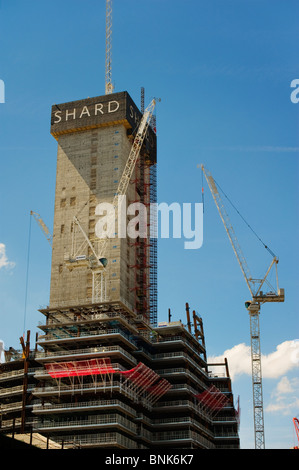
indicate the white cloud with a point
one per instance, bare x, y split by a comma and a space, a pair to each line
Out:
285, 386
274, 365
4, 262
284, 398
281, 361
238, 359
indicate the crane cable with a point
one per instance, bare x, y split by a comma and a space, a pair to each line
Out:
267, 248
202, 193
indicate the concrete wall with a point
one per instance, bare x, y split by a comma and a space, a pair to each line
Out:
89, 167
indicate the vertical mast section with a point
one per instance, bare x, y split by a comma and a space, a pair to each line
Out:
108, 66
256, 369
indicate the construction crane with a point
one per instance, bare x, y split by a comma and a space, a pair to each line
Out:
97, 260
130, 164
296, 425
258, 297
43, 226
108, 65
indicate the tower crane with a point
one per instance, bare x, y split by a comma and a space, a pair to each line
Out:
108, 65
43, 226
296, 425
97, 261
130, 164
253, 306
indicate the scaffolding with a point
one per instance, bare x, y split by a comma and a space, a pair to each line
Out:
93, 379
140, 383
153, 247
145, 384
145, 264
211, 401
98, 366
141, 264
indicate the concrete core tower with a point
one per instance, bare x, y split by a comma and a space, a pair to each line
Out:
94, 140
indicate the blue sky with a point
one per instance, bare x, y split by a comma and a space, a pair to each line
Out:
223, 70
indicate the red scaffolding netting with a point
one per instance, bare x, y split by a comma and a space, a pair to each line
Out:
146, 383
79, 368
212, 400
140, 382
158, 390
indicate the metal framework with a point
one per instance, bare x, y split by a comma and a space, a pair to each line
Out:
253, 307
257, 388
145, 384
141, 382
134, 152
108, 64
26, 353
153, 242
145, 265
212, 401
141, 244
98, 366
77, 370
296, 425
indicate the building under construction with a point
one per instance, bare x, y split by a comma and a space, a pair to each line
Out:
104, 372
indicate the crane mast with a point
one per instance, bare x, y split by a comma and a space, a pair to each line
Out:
108, 64
253, 307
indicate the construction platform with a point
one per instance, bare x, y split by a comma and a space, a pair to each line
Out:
100, 376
